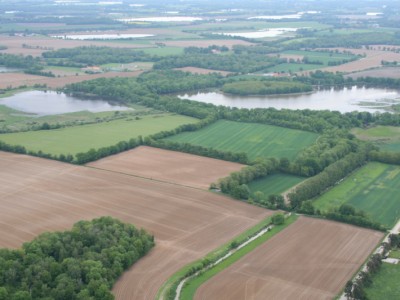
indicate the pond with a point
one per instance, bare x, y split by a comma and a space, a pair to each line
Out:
8, 70
345, 99
101, 36
43, 103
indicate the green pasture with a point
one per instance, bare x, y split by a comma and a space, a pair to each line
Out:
324, 57
72, 140
385, 137
275, 184
395, 254
374, 189
385, 283
14, 120
257, 140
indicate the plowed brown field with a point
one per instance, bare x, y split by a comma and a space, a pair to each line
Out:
17, 79
170, 166
311, 259
39, 44
38, 195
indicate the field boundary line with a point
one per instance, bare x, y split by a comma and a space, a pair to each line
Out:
146, 178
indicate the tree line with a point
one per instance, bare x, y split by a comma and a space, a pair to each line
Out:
238, 63
355, 289
265, 87
94, 55
82, 263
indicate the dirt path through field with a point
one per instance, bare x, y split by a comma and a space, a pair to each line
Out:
311, 259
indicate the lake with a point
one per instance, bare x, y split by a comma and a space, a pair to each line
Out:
278, 17
343, 100
162, 19
101, 36
270, 32
51, 103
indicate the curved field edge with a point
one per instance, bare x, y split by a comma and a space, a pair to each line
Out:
174, 280
190, 287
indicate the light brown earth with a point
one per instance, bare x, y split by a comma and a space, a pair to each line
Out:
40, 44
206, 43
38, 195
311, 259
386, 72
196, 70
170, 166
17, 79
373, 59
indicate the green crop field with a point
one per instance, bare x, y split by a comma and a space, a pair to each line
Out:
257, 140
385, 284
275, 184
374, 189
72, 140
395, 254
386, 137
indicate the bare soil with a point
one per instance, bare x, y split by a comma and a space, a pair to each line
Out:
38, 195
170, 166
39, 44
311, 259
196, 70
373, 59
17, 79
386, 72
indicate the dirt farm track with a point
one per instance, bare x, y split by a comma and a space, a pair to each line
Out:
38, 195
311, 259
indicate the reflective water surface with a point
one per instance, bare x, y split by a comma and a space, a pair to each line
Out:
52, 103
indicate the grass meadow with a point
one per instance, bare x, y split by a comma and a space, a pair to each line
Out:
256, 140
374, 189
385, 137
275, 184
72, 140
385, 283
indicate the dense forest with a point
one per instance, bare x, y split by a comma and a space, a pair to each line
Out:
264, 87
93, 55
238, 63
82, 263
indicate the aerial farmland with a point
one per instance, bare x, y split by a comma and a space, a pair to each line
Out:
199, 150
